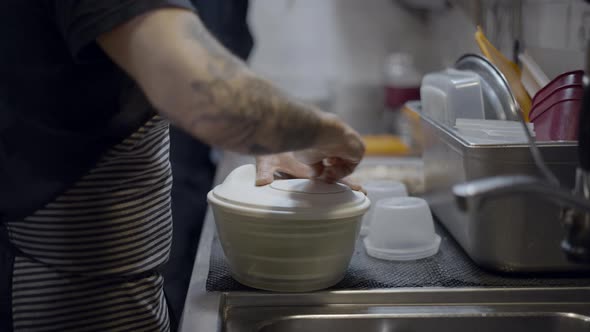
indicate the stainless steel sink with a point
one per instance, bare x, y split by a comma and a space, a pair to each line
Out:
441, 310
459, 323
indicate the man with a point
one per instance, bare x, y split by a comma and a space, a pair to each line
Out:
84, 172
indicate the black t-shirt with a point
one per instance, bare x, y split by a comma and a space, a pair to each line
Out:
62, 101
227, 21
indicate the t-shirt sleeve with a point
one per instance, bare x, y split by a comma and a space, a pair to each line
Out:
82, 21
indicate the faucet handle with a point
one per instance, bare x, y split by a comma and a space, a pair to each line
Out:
577, 224
576, 243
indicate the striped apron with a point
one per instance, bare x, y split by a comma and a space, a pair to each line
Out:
88, 260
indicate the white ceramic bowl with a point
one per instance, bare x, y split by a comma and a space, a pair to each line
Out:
290, 236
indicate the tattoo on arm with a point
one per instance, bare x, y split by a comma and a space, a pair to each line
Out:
237, 110
254, 115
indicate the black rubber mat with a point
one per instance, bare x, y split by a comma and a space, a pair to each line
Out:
450, 267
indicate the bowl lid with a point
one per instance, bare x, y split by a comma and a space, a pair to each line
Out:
294, 198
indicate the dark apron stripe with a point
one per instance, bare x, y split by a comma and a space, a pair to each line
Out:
6, 270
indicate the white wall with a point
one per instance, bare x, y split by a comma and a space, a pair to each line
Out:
344, 40
333, 51
554, 32
347, 40
451, 34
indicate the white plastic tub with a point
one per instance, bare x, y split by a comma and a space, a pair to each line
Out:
290, 236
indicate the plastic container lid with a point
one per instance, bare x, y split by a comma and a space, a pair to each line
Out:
452, 94
299, 199
403, 254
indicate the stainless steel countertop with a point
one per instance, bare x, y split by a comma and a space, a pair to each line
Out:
201, 309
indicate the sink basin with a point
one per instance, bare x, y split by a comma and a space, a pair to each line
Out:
449, 323
441, 310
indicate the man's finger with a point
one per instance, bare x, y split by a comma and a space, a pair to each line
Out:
309, 157
337, 170
264, 173
317, 170
353, 185
297, 170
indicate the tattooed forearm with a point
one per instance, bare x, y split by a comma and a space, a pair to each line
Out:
232, 108
200, 86
251, 115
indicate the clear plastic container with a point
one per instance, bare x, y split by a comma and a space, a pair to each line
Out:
402, 229
378, 190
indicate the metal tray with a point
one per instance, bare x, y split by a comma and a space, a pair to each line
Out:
515, 233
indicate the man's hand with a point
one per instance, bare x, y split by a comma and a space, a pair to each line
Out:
282, 164
285, 165
336, 155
